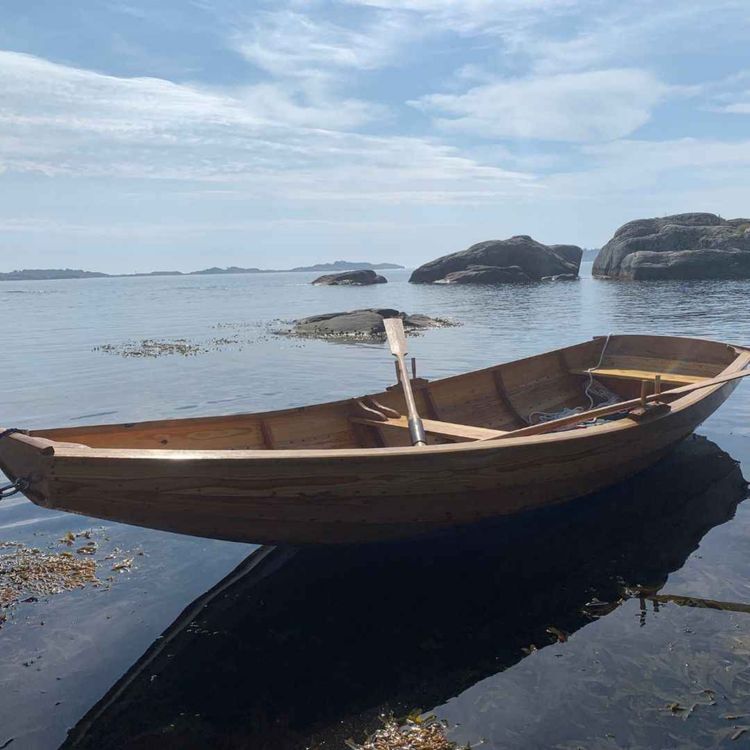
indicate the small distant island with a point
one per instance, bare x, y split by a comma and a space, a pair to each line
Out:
46, 274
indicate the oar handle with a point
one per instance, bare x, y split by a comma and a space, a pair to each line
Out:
394, 330
416, 427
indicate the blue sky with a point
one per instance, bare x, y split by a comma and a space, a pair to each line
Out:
137, 135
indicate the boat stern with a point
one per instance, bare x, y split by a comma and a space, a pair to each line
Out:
27, 461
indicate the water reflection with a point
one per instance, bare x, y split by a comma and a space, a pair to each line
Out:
306, 647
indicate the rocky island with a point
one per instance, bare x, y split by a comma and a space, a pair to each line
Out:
351, 278
48, 274
518, 259
360, 325
683, 246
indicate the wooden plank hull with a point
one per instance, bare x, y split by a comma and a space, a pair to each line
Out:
351, 494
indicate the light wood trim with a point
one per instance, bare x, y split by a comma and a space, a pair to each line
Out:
642, 375
434, 427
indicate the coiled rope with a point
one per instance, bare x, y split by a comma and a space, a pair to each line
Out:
545, 416
590, 371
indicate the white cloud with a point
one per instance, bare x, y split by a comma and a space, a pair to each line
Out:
659, 174
36, 91
168, 231
657, 157
636, 31
732, 95
291, 44
740, 107
590, 106
58, 120
474, 16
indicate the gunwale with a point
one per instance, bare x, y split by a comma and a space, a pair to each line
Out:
62, 449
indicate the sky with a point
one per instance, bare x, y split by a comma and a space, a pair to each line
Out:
180, 134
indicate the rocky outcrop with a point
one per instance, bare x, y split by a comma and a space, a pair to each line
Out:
684, 246
364, 324
517, 259
363, 277
572, 253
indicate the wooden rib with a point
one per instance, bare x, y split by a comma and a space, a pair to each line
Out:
367, 436
430, 402
434, 427
502, 394
377, 435
265, 431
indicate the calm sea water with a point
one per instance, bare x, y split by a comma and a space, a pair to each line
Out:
608, 685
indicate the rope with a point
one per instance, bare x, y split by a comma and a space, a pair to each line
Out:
8, 490
546, 416
12, 431
595, 367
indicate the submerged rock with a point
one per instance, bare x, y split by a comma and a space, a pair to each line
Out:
561, 277
683, 246
364, 277
359, 324
486, 275
516, 259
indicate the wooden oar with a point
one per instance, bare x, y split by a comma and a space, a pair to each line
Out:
394, 329
584, 416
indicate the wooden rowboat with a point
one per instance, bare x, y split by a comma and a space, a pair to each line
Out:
345, 471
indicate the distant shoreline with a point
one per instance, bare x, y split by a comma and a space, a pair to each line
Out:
52, 274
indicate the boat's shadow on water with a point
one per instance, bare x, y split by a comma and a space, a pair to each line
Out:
303, 648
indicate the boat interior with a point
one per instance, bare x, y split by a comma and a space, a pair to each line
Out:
479, 405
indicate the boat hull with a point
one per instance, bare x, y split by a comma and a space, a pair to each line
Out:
314, 496
362, 498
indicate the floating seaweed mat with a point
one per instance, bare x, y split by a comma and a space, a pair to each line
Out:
28, 572
414, 734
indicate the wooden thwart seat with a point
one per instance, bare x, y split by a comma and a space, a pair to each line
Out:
434, 427
669, 377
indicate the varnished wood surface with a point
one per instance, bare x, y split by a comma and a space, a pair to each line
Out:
310, 474
632, 374
445, 429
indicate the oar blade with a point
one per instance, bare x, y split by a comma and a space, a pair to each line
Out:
394, 330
